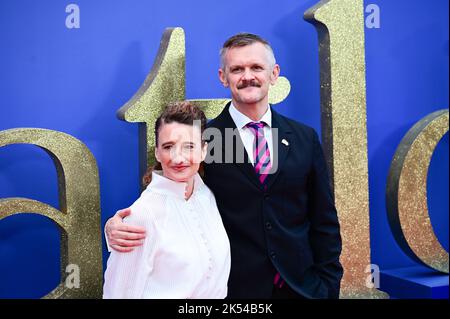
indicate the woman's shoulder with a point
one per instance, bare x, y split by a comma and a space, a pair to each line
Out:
204, 190
207, 195
150, 207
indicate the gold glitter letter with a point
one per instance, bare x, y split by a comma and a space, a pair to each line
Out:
164, 84
79, 199
406, 192
340, 26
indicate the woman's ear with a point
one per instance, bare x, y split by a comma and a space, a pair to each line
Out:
156, 153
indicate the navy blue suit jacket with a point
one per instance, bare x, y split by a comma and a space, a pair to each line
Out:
290, 227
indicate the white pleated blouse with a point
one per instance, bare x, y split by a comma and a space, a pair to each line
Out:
186, 253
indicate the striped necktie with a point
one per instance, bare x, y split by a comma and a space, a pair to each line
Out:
261, 153
261, 156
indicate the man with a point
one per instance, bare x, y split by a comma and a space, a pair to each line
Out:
276, 205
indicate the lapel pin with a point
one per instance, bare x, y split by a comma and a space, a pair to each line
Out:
285, 142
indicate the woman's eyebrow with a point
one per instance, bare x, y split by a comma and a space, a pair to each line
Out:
165, 143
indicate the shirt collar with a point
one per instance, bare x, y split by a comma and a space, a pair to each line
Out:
242, 120
163, 185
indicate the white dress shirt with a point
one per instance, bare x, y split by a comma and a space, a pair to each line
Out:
246, 133
186, 253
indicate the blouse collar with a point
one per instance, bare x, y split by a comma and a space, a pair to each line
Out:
163, 185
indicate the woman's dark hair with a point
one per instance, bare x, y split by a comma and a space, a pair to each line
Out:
180, 112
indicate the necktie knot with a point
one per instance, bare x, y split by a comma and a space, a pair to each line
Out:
256, 128
255, 125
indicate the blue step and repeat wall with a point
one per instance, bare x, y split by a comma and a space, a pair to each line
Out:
68, 66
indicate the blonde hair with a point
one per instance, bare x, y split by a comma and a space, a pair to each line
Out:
242, 40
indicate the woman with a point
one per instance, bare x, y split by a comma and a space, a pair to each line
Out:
187, 252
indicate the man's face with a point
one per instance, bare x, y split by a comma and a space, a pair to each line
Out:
249, 72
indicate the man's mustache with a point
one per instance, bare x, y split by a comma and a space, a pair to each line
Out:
246, 84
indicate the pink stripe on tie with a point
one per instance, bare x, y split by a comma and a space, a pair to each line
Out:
277, 277
263, 143
278, 281
261, 161
266, 170
262, 178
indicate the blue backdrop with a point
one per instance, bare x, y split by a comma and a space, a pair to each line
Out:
74, 80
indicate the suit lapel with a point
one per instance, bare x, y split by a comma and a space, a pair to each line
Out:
281, 134
224, 122
281, 139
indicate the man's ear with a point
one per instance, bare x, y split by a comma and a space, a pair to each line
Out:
156, 154
275, 73
223, 78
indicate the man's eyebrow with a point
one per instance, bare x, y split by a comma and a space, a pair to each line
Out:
251, 64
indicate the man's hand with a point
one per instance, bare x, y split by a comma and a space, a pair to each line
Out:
123, 237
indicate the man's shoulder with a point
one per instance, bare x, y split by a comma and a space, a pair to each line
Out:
296, 126
220, 119
212, 122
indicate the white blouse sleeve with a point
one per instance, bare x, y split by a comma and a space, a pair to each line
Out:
127, 273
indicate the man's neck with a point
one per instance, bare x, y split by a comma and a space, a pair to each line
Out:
253, 111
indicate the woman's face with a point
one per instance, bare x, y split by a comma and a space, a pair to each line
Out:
180, 150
